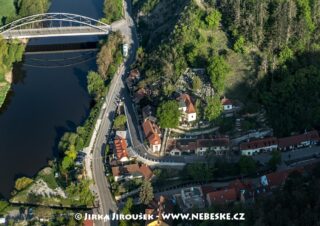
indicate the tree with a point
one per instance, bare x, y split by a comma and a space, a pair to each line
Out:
247, 165
127, 210
67, 163
120, 121
199, 171
146, 192
275, 160
213, 108
239, 45
22, 183
95, 85
168, 114
213, 19
196, 83
218, 70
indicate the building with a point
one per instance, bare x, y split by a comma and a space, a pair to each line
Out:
152, 133
187, 108
133, 78
218, 145
277, 179
227, 104
148, 112
191, 198
298, 141
223, 196
156, 208
120, 146
259, 146
132, 171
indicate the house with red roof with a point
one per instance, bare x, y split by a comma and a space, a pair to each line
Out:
277, 179
257, 146
223, 196
187, 108
132, 171
120, 146
299, 141
152, 133
227, 104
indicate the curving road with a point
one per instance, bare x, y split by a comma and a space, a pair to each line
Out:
107, 204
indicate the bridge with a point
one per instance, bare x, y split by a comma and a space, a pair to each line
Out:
53, 25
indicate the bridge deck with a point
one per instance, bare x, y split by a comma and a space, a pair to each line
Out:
55, 32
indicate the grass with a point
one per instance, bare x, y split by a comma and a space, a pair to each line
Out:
7, 8
4, 88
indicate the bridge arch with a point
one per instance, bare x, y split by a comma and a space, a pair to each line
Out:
51, 17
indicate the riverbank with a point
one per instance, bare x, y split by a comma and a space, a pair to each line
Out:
5, 84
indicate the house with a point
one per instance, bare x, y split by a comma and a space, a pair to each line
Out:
192, 198
187, 108
152, 133
298, 141
277, 179
223, 196
133, 78
140, 94
156, 208
227, 104
148, 112
120, 146
258, 146
218, 145
132, 171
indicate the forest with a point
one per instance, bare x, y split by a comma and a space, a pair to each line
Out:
269, 46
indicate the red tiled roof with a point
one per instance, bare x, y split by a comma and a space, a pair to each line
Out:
151, 131
226, 101
297, 139
190, 107
131, 169
239, 185
88, 222
277, 179
121, 147
222, 196
266, 142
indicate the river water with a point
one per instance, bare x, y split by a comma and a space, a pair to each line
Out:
48, 97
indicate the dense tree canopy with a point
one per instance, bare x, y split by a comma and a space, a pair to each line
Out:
168, 114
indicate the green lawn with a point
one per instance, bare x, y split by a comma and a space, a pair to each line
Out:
6, 8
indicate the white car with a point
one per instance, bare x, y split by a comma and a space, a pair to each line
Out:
125, 49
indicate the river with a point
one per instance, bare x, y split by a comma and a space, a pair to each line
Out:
48, 97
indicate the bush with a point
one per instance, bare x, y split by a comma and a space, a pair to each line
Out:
22, 183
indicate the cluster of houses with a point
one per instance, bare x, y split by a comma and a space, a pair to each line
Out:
199, 146
283, 144
199, 197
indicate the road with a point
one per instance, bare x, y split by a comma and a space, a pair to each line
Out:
107, 204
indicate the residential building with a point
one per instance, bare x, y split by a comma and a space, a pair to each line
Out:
152, 133
227, 104
187, 109
148, 112
258, 146
120, 146
133, 78
298, 141
218, 145
191, 198
156, 208
132, 171
223, 196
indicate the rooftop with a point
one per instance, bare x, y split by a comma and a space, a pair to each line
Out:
297, 139
152, 132
266, 142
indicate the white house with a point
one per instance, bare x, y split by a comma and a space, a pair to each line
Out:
259, 146
187, 108
227, 104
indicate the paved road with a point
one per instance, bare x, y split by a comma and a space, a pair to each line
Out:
107, 204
